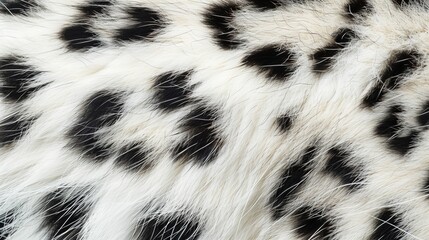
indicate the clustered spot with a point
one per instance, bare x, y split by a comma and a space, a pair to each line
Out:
13, 128
147, 23
6, 221
284, 122
291, 182
80, 37
219, 18
312, 223
265, 4
171, 227
203, 142
17, 79
172, 90
133, 157
390, 128
64, 215
388, 225
339, 167
102, 109
324, 58
17, 7
276, 62
357, 8
94, 7
398, 66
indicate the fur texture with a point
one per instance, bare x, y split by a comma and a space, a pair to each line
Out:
214, 119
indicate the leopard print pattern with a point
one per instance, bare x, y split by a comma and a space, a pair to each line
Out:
214, 119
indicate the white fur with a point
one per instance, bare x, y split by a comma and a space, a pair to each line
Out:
229, 196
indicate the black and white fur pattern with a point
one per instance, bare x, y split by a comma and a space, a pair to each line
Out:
214, 119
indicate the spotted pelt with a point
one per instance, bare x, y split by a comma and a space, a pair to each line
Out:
214, 119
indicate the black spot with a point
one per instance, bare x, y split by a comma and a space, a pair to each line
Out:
400, 64
390, 128
172, 91
337, 165
423, 117
6, 220
324, 57
79, 37
426, 186
17, 7
284, 122
171, 227
403, 144
374, 96
219, 18
401, 3
291, 181
391, 124
344, 36
102, 109
274, 61
357, 8
265, 4
17, 78
203, 143
94, 7
312, 223
64, 215
133, 157
13, 128
388, 226
146, 24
